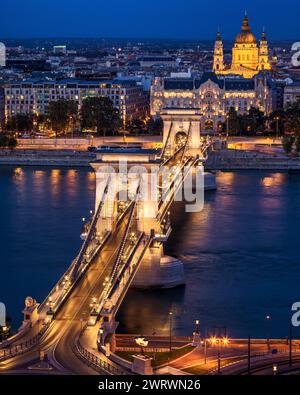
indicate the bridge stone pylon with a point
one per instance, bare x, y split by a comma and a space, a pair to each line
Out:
142, 166
187, 121
121, 191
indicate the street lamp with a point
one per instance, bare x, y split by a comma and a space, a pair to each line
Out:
249, 355
50, 304
227, 127
277, 126
170, 338
291, 346
197, 326
268, 319
94, 306
219, 341
275, 370
204, 342
101, 332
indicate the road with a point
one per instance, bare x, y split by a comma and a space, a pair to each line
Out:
260, 353
59, 338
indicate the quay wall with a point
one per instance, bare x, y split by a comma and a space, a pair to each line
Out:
217, 160
250, 160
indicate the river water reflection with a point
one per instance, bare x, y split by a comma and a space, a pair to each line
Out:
241, 253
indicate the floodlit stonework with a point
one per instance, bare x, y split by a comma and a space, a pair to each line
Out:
211, 95
248, 59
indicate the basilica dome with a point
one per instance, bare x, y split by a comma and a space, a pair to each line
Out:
245, 36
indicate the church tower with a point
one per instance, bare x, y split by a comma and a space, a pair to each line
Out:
264, 53
245, 53
218, 54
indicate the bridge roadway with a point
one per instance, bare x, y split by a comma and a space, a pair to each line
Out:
59, 339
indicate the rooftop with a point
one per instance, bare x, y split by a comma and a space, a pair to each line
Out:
239, 84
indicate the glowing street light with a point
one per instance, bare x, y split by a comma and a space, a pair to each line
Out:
50, 304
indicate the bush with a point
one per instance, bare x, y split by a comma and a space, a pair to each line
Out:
7, 141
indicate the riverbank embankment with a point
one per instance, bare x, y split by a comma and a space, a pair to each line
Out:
250, 160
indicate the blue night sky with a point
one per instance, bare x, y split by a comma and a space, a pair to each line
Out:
186, 19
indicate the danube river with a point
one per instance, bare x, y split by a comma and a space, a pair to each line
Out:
241, 253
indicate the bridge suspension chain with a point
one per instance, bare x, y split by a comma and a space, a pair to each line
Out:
125, 237
91, 232
167, 141
187, 142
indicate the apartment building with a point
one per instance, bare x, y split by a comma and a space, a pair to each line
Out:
34, 96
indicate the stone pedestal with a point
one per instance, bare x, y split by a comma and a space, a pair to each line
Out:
159, 271
142, 365
30, 315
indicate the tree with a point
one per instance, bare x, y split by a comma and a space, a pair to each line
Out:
20, 123
297, 143
277, 120
12, 143
233, 121
292, 120
99, 113
287, 143
253, 121
41, 121
155, 125
8, 140
61, 115
136, 126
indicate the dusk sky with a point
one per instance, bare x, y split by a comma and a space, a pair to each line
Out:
194, 19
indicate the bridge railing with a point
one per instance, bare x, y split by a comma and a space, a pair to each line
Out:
22, 348
125, 237
174, 186
96, 362
80, 258
59, 293
167, 141
129, 272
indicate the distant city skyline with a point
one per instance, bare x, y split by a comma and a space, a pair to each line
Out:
178, 19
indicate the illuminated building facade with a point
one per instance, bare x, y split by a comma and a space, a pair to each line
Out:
33, 97
292, 94
248, 58
211, 94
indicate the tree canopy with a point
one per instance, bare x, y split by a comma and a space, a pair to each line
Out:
20, 123
99, 113
61, 114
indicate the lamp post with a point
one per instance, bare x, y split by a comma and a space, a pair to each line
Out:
197, 326
291, 347
277, 126
249, 355
227, 127
219, 342
94, 306
205, 351
219, 357
268, 319
101, 332
170, 333
50, 304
